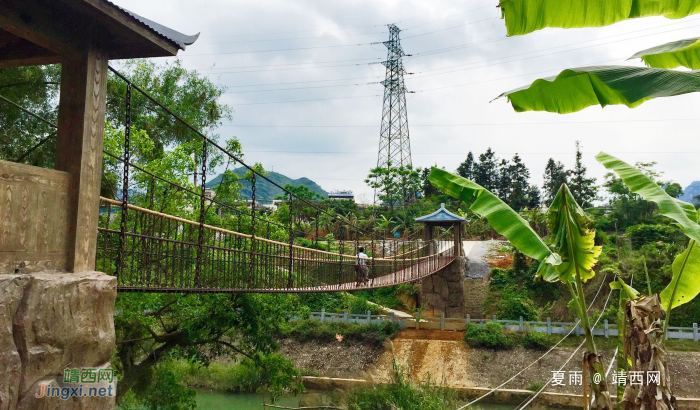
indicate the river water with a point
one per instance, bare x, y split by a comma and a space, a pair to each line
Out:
224, 401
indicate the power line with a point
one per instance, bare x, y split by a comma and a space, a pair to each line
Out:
313, 99
302, 82
301, 38
289, 64
277, 50
448, 17
465, 153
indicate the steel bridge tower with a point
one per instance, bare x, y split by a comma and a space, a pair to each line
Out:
394, 145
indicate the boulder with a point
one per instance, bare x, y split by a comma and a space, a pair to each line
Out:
50, 322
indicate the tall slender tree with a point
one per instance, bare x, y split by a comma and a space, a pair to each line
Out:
519, 183
582, 188
505, 180
466, 168
554, 176
486, 170
427, 187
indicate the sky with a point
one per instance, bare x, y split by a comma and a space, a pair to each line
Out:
302, 78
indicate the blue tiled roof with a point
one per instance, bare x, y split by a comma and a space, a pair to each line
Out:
441, 215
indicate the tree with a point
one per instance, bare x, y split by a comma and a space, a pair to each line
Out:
486, 170
465, 169
35, 88
534, 197
582, 188
428, 188
395, 185
554, 176
504, 185
519, 185
154, 328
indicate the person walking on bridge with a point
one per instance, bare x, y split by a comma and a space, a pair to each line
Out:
361, 268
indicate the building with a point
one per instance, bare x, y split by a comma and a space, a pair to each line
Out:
341, 196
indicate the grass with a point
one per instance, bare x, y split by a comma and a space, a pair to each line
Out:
535, 385
494, 336
402, 394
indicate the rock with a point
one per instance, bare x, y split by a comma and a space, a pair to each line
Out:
50, 322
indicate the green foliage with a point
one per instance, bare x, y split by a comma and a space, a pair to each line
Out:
355, 302
514, 305
572, 239
536, 341
672, 55
583, 189
575, 89
303, 330
35, 88
154, 328
685, 284
526, 16
162, 391
682, 212
535, 386
501, 217
395, 185
554, 176
401, 394
641, 235
490, 336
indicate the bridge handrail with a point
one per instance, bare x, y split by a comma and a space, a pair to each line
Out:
257, 238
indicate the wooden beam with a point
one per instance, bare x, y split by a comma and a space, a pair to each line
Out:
16, 52
81, 118
36, 24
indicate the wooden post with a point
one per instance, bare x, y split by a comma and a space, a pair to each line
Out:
323, 315
549, 325
458, 239
81, 119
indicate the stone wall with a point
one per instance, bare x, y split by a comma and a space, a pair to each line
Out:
50, 322
475, 292
443, 292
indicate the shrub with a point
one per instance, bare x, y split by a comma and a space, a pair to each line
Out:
536, 340
490, 336
512, 306
643, 234
401, 394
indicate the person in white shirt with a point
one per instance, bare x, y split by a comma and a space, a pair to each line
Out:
361, 267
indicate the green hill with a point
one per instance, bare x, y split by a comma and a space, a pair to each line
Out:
265, 191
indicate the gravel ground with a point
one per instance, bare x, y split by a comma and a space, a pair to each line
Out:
347, 359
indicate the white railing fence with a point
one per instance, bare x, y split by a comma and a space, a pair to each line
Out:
442, 323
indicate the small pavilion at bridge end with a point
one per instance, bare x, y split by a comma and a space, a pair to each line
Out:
443, 218
443, 292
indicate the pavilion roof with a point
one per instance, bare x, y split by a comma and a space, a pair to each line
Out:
441, 215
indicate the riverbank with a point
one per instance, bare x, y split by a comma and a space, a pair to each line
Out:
445, 357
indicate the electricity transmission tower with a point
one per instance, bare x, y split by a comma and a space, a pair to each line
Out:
394, 145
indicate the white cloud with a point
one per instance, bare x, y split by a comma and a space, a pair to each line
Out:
505, 63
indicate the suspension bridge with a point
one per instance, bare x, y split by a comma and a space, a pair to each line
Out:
206, 245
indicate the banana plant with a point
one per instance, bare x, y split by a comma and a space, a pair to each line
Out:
570, 259
525, 16
643, 313
685, 282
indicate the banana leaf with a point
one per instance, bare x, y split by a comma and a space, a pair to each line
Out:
526, 16
575, 89
683, 213
679, 53
502, 218
573, 241
685, 284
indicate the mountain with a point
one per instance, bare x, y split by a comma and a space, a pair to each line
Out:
265, 191
691, 192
